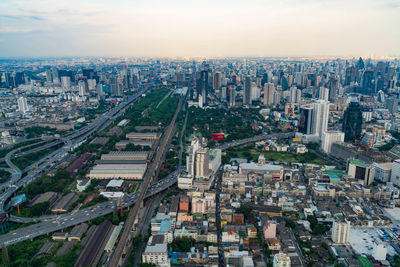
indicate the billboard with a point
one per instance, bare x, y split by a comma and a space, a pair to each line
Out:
18, 200
296, 139
218, 136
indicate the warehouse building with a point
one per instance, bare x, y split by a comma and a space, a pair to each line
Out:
126, 155
135, 136
118, 171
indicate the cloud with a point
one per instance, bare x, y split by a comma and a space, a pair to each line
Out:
14, 30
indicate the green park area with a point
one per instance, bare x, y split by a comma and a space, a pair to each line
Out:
26, 160
209, 121
4, 176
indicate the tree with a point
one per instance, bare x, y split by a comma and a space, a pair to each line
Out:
290, 223
182, 244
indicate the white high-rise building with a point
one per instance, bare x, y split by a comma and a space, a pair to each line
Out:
66, 83
269, 91
323, 93
92, 84
191, 158
255, 91
294, 95
395, 177
232, 96
340, 232
82, 88
23, 105
320, 117
202, 163
330, 137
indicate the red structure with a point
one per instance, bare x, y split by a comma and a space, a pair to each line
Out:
218, 136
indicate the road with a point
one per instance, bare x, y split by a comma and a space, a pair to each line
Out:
221, 256
56, 223
71, 141
124, 243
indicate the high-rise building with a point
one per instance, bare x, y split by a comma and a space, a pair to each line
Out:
247, 91
352, 122
306, 119
333, 85
367, 87
392, 104
350, 76
269, 90
66, 83
320, 117
232, 96
340, 232
395, 176
294, 95
202, 86
82, 88
329, 138
23, 105
202, 163
217, 80
323, 93
191, 157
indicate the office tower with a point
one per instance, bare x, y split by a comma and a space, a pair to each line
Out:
352, 122
329, 138
381, 96
320, 117
340, 232
113, 85
18, 78
333, 85
232, 96
223, 92
202, 86
217, 80
380, 68
91, 84
202, 163
392, 104
247, 91
49, 77
255, 92
23, 105
82, 88
379, 83
269, 91
180, 77
366, 83
191, 157
55, 75
88, 73
290, 80
66, 83
350, 76
323, 93
8, 79
264, 79
360, 63
294, 95
306, 119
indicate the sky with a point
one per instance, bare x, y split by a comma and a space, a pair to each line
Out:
206, 28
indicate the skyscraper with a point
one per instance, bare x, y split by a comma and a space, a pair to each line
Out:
82, 88
217, 80
66, 83
232, 96
202, 163
269, 90
320, 117
23, 105
247, 91
202, 86
366, 83
306, 119
352, 122
392, 104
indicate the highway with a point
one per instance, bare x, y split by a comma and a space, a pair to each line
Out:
71, 141
58, 222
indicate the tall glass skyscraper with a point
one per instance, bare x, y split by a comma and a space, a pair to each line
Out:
352, 122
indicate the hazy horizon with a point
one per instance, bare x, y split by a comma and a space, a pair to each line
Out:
156, 28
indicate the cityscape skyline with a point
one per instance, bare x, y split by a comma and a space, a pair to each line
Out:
174, 28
